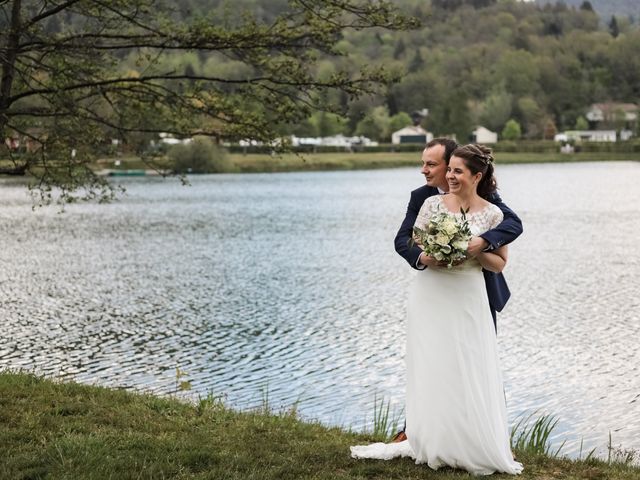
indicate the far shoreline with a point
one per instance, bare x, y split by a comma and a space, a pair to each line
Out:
135, 166
336, 161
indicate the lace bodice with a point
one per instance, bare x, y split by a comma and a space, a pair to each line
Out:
479, 222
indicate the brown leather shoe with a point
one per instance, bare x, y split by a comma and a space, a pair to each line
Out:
400, 437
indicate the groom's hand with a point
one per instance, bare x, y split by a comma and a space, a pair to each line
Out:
476, 246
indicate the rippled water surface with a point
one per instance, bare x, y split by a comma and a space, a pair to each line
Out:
289, 284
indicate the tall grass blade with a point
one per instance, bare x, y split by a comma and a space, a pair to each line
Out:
533, 437
385, 424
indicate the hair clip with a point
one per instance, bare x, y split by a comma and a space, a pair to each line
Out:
487, 158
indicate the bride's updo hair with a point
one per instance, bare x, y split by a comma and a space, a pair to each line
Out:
478, 158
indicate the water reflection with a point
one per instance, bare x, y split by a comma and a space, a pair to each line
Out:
289, 282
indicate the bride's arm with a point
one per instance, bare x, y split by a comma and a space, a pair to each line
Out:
493, 261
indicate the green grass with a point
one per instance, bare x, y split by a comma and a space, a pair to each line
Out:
354, 161
556, 157
68, 431
323, 161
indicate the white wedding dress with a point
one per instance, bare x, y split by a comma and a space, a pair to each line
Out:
455, 405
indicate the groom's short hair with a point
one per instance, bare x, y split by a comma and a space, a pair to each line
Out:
448, 144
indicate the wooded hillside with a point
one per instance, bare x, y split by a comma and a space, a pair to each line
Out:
472, 62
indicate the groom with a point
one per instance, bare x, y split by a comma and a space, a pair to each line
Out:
435, 159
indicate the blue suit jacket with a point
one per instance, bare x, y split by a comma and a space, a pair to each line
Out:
506, 232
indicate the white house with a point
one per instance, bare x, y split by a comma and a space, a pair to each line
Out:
411, 134
612, 111
333, 141
484, 135
588, 136
169, 139
625, 135
560, 137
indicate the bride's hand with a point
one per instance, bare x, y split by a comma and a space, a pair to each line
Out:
427, 260
416, 241
476, 246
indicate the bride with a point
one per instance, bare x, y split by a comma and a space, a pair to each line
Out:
455, 406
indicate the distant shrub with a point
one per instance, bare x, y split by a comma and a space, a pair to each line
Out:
199, 156
512, 130
611, 147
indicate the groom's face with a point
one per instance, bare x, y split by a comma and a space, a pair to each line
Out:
434, 168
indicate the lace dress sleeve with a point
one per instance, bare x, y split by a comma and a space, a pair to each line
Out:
495, 217
430, 206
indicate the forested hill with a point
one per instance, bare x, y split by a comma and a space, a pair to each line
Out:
607, 8
265, 9
473, 62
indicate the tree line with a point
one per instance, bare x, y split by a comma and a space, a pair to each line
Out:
471, 62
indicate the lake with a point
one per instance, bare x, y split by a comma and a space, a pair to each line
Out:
287, 286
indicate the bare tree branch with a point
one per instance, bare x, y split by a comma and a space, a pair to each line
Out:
49, 13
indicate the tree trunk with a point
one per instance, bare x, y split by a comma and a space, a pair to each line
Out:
9, 53
8, 61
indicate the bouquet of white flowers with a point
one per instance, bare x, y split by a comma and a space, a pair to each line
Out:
445, 238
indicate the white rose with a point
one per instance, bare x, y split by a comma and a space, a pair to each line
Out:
449, 227
442, 239
438, 256
460, 244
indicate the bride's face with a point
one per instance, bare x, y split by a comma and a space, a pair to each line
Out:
460, 178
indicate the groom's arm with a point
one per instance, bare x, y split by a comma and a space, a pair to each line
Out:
404, 236
507, 231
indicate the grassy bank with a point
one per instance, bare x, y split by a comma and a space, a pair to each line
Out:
64, 430
353, 161
256, 163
